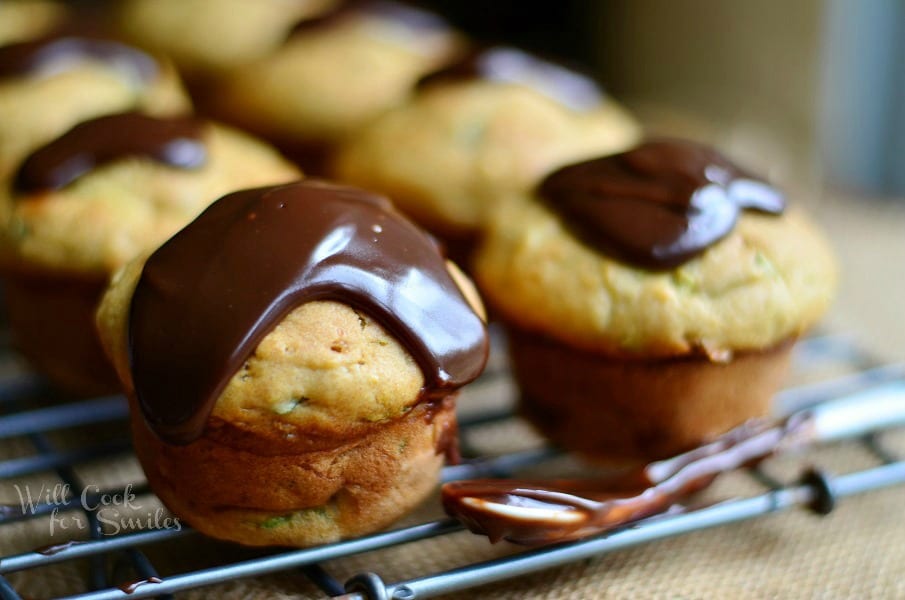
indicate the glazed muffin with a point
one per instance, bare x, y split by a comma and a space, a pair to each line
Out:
22, 20
487, 127
295, 353
81, 206
652, 298
49, 85
333, 74
206, 38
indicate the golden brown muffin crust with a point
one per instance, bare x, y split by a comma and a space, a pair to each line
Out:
209, 37
323, 85
36, 109
22, 20
617, 409
770, 279
301, 499
454, 150
325, 367
108, 216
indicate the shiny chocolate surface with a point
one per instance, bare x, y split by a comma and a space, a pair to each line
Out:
505, 64
52, 55
176, 142
658, 205
209, 295
533, 512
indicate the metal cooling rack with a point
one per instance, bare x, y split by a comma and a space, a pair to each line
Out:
23, 416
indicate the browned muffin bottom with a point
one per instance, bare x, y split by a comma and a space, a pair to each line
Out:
612, 408
259, 492
51, 317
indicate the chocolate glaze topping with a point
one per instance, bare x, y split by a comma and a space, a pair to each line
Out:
176, 142
511, 65
659, 205
52, 55
209, 295
399, 12
571, 509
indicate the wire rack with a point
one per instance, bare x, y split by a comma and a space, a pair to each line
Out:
29, 413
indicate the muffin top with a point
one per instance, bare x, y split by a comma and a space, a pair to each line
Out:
116, 186
336, 72
49, 85
346, 315
22, 20
653, 253
488, 126
208, 37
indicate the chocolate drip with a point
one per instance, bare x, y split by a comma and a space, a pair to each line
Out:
53, 549
398, 12
176, 142
130, 587
540, 512
659, 205
52, 55
511, 65
209, 295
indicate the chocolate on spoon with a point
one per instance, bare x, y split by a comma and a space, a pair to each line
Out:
534, 512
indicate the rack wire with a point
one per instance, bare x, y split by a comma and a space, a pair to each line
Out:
26, 414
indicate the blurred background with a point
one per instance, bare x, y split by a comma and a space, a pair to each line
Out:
812, 90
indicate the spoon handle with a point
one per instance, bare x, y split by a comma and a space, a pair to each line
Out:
858, 414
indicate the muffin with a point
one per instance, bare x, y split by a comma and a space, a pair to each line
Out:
333, 74
294, 353
652, 298
49, 85
206, 38
81, 206
488, 126
22, 20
